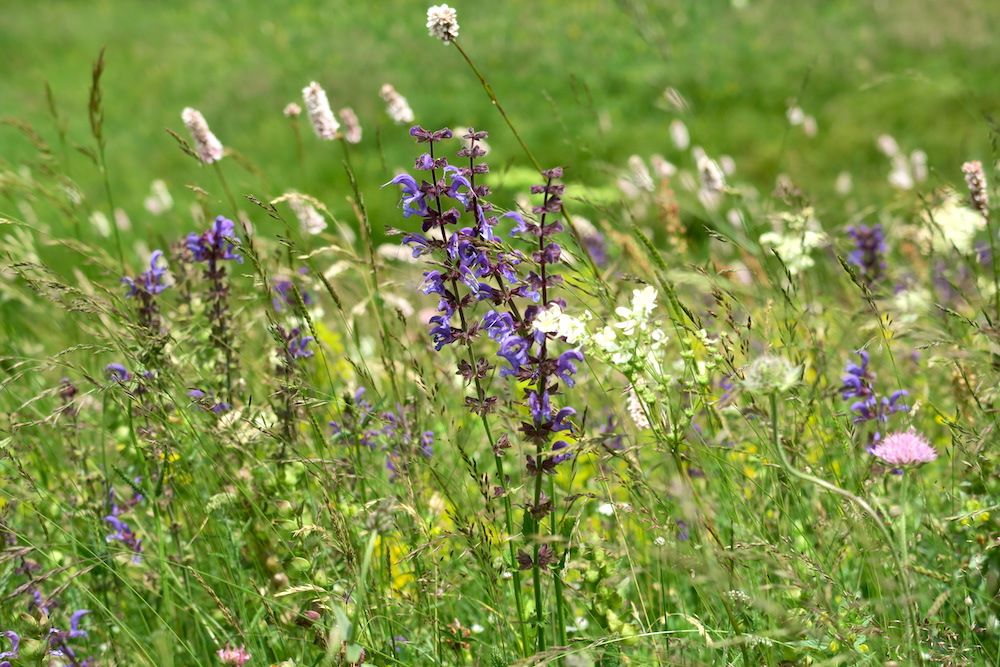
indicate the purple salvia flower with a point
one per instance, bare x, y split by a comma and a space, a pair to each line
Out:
859, 383
284, 291
869, 252
74, 624
15, 642
212, 245
123, 533
298, 344
118, 372
149, 282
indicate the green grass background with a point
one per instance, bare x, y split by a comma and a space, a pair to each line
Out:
924, 71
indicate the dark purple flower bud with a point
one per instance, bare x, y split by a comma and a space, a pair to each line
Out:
869, 253
546, 556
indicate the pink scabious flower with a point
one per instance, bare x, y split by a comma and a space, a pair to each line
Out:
208, 146
903, 449
233, 656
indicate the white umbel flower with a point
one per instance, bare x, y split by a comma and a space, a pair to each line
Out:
209, 148
320, 114
442, 22
396, 105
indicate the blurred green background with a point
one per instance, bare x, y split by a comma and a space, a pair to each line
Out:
583, 81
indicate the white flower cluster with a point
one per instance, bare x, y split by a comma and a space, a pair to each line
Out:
801, 235
442, 22
630, 343
950, 225
906, 171
209, 148
320, 114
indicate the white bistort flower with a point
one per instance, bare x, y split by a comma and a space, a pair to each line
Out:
320, 114
396, 105
310, 219
442, 22
208, 147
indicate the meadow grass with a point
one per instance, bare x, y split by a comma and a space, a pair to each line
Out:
665, 413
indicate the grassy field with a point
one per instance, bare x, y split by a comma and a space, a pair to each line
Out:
584, 96
728, 399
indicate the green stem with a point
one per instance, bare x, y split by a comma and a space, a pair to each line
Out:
536, 570
225, 187
860, 502
527, 151
557, 580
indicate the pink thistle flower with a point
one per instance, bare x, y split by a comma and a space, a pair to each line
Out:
902, 449
233, 656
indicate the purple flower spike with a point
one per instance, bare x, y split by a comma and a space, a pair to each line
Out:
212, 246
869, 252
